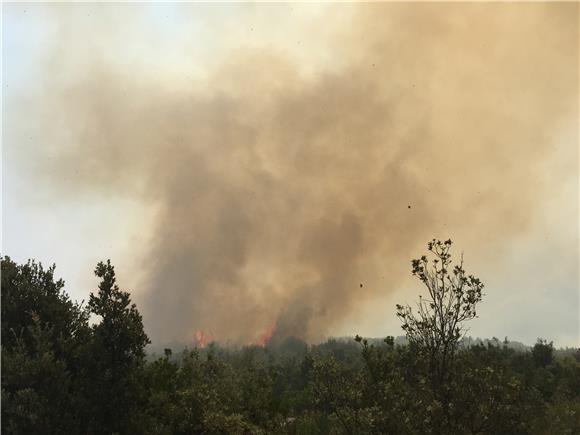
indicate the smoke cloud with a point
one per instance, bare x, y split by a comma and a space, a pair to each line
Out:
287, 171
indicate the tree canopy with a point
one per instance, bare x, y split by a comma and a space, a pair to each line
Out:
62, 374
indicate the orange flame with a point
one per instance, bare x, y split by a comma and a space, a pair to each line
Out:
266, 336
201, 339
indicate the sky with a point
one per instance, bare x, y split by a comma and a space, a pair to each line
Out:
254, 165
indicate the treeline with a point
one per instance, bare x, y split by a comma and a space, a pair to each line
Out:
62, 374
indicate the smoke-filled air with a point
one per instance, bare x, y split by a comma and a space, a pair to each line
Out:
287, 153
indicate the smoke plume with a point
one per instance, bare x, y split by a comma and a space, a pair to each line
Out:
287, 171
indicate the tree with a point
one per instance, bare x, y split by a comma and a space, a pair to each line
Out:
437, 326
42, 334
337, 391
36, 386
543, 353
116, 357
31, 294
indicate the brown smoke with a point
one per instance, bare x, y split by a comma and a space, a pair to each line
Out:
278, 191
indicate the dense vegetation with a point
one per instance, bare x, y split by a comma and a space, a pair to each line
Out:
62, 374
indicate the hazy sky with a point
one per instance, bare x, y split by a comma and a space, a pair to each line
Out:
245, 165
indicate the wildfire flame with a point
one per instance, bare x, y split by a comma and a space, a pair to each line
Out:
266, 336
201, 339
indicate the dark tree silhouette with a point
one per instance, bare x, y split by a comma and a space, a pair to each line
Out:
543, 353
438, 324
118, 350
63, 375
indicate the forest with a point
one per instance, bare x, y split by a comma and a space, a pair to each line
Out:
71, 368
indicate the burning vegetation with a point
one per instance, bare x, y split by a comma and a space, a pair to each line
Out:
266, 336
201, 339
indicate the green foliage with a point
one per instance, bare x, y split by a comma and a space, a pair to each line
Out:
42, 336
435, 329
35, 385
488, 397
437, 326
115, 357
543, 353
61, 375
31, 295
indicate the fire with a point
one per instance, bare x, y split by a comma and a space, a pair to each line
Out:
266, 336
201, 339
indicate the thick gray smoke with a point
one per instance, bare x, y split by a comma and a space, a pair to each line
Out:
278, 192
